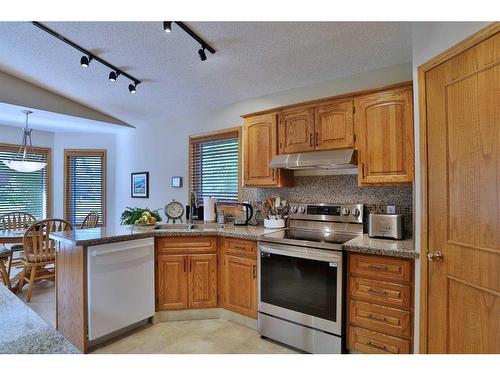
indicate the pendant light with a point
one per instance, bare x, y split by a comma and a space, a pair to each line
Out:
19, 163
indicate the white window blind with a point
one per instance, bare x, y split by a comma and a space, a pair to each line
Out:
214, 170
20, 191
84, 184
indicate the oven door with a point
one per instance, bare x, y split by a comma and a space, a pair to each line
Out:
302, 285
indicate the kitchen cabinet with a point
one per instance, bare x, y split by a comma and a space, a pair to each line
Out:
296, 130
384, 131
186, 273
260, 144
239, 272
380, 308
334, 125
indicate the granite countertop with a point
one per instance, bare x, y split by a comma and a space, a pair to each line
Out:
97, 236
24, 332
376, 246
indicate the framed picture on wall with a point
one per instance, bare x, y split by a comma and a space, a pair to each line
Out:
139, 184
176, 182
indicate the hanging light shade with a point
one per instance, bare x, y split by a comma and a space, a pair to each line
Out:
19, 162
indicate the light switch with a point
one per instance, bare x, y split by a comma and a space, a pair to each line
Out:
391, 209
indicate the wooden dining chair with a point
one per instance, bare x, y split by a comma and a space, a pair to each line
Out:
40, 252
11, 254
90, 220
5, 255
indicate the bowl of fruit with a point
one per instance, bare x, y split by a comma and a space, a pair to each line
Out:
141, 217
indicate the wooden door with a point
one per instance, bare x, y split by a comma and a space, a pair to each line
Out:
334, 125
240, 285
172, 287
384, 124
462, 160
260, 145
202, 281
296, 130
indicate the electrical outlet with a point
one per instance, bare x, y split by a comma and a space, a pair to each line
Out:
391, 209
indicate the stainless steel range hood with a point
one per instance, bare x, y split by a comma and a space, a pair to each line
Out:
333, 160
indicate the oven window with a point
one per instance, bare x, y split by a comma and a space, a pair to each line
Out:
303, 285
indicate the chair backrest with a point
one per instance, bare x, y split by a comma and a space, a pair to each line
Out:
90, 220
36, 241
16, 220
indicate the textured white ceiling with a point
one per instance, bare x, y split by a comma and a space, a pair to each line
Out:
252, 59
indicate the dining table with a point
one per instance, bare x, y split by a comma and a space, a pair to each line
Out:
12, 237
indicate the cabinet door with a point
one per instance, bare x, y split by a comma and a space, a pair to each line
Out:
296, 131
259, 148
172, 287
385, 124
240, 284
202, 281
334, 125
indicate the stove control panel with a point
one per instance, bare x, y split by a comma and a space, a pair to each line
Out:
346, 213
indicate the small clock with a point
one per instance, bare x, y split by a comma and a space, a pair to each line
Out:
174, 211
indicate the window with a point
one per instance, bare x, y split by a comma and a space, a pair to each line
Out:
28, 192
85, 185
214, 165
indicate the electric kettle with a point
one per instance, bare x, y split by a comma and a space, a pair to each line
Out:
248, 209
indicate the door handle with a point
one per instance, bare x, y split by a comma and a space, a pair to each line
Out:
310, 139
435, 256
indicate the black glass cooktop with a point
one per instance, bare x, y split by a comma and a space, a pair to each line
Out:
309, 238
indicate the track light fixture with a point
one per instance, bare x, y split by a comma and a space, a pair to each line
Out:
85, 61
88, 57
203, 55
167, 27
113, 76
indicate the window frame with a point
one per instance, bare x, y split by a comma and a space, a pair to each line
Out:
86, 152
48, 175
234, 132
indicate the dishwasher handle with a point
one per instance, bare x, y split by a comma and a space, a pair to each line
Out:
108, 252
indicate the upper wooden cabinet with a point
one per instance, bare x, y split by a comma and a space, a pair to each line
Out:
334, 125
260, 144
296, 131
384, 131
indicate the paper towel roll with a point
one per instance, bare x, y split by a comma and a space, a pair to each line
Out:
209, 209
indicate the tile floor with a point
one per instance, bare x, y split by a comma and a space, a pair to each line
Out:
186, 337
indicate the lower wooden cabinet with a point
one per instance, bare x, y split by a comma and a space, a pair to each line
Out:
186, 276
380, 308
240, 293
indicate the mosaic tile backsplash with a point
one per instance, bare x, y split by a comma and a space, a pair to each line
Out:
342, 190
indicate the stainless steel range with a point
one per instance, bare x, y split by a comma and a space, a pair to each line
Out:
301, 277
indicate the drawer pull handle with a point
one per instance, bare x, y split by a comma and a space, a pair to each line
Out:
377, 291
239, 247
377, 267
376, 317
376, 345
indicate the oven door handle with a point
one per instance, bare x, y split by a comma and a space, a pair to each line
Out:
301, 252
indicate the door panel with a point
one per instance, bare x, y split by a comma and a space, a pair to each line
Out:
172, 285
241, 285
203, 281
296, 131
334, 125
463, 143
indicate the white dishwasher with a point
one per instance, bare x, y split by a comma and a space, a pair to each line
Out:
120, 287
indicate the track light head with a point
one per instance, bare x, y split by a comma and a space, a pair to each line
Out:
113, 76
167, 26
132, 88
85, 61
203, 55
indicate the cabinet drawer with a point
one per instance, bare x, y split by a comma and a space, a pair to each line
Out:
191, 244
366, 341
381, 267
240, 247
380, 318
380, 292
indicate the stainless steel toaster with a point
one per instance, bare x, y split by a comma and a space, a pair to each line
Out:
385, 226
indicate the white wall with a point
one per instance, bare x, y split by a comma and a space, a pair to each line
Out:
162, 149
429, 39
84, 141
14, 135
